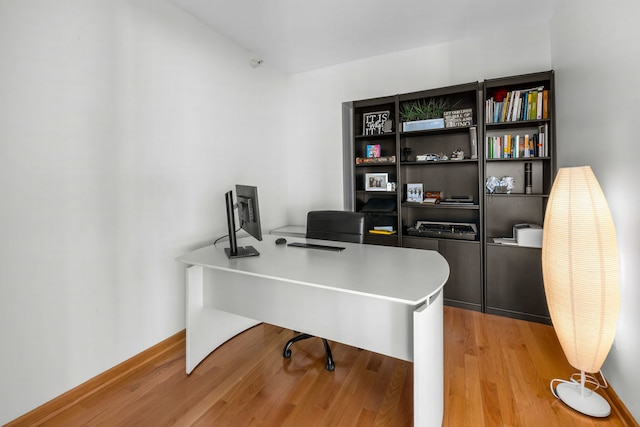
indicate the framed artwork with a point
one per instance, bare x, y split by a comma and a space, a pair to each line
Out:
415, 193
376, 123
376, 181
373, 151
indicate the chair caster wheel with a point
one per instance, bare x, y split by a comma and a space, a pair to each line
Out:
286, 354
330, 367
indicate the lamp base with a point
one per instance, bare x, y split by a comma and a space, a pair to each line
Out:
583, 399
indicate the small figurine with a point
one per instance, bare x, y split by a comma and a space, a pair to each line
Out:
457, 155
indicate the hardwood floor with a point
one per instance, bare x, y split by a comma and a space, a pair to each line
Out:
497, 373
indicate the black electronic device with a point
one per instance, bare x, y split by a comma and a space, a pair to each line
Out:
281, 241
315, 246
248, 217
444, 230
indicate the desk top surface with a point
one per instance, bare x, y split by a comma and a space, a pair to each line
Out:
404, 275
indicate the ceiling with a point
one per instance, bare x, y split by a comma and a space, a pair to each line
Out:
301, 35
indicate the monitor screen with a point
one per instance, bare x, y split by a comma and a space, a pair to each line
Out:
248, 217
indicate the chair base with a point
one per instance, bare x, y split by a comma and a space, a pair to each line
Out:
286, 351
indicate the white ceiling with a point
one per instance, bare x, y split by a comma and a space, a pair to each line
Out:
302, 35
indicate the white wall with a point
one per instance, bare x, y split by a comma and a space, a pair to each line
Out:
316, 118
596, 55
121, 125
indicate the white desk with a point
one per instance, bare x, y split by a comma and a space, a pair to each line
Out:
383, 299
290, 231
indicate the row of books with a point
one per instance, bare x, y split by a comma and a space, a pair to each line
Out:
517, 105
375, 160
519, 146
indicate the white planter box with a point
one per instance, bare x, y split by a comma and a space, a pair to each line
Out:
423, 125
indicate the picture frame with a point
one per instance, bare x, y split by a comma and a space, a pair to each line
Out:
373, 151
376, 181
415, 193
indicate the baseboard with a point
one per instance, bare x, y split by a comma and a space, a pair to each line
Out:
48, 410
618, 408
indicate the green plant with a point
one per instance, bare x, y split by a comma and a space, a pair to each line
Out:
423, 109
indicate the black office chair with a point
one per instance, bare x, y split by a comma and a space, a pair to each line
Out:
341, 226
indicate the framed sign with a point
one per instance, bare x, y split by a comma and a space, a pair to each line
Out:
376, 181
376, 123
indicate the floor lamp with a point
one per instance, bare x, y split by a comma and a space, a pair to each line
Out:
580, 272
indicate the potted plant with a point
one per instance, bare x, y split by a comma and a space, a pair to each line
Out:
423, 114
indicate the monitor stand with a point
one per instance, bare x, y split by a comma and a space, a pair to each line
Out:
242, 252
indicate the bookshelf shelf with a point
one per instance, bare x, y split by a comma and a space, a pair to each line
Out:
520, 159
438, 162
440, 206
517, 124
373, 165
376, 136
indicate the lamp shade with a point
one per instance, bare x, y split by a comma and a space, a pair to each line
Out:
580, 268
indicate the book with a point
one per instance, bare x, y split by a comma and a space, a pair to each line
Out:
473, 142
515, 146
383, 232
545, 104
539, 105
383, 159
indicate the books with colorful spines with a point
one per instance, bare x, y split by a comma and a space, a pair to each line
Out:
492, 147
534, 105
496, 111
526, 106
527, 99
507, 116
520, 152
545, 142
495, 145
515, 107
532, 145
506, 152
383, 159
542, 141
505, 107
539, 105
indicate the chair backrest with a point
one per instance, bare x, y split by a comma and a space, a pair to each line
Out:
341, 226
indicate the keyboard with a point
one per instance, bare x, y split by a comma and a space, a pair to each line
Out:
314, 246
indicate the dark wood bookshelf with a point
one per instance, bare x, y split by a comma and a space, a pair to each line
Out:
485, 276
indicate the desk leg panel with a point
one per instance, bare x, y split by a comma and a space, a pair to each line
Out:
207, 328
428, 363
362, 321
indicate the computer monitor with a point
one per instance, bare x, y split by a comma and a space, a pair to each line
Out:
248, 217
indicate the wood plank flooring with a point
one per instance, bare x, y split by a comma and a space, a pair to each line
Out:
497, 373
